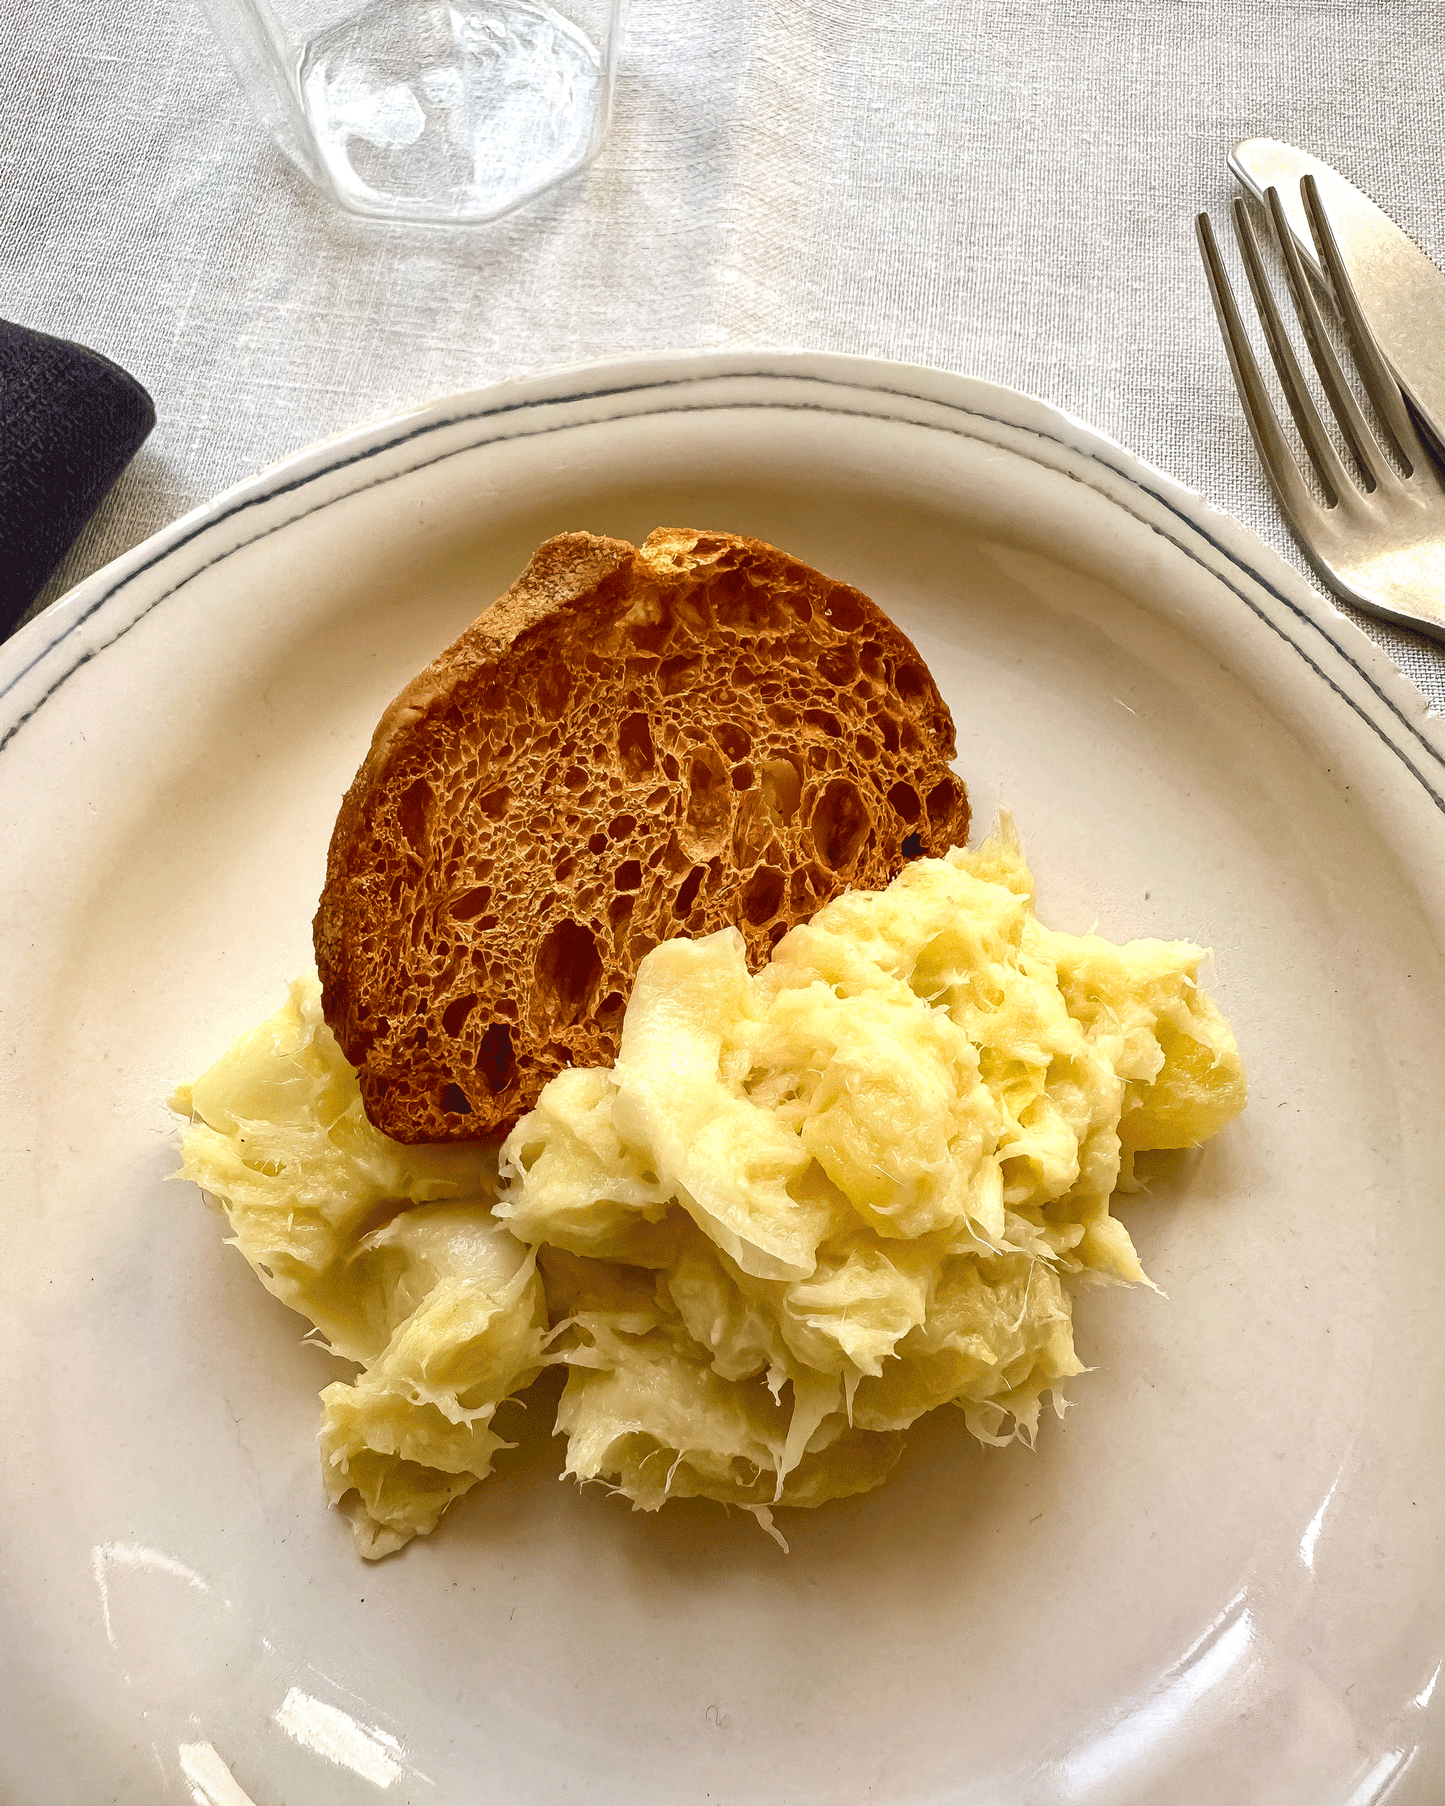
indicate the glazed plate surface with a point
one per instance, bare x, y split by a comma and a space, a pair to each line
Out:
1219, 1580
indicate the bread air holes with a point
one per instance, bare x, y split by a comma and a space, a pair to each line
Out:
734, 740
735, 602
567, 971
454, 1016
675, 674
495, 1061
554, 686
753, 830
763, 894
649, 637
912, 846
412, 812
782, 786
628, 875
904, 799
840, 823
455, 1101
709, 802
687, 896
942, 801
634, 746
844, 608
470, 904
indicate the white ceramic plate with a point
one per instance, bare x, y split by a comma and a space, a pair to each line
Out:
1219, 1581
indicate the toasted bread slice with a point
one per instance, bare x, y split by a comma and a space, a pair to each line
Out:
628, 745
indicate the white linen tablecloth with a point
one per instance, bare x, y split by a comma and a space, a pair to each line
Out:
1004, 188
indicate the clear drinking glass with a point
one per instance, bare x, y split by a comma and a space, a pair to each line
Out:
422, 109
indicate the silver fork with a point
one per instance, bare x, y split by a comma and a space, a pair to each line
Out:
1378, 539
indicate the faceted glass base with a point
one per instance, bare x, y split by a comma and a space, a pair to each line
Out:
452, 112
427, 109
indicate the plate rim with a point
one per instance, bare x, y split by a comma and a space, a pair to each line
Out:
104, 592
1251, 563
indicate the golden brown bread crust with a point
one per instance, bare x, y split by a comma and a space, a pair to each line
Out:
628, 745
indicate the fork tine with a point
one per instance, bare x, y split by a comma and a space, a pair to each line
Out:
1269, 440
1352, 423
1379, 384
1322, 454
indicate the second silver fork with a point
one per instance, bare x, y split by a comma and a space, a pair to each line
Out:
1378, 538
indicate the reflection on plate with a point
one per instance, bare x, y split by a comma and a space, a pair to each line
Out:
1221, 1581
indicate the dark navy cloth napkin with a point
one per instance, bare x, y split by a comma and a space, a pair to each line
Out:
70, 421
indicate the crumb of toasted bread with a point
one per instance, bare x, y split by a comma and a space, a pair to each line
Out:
630, 744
